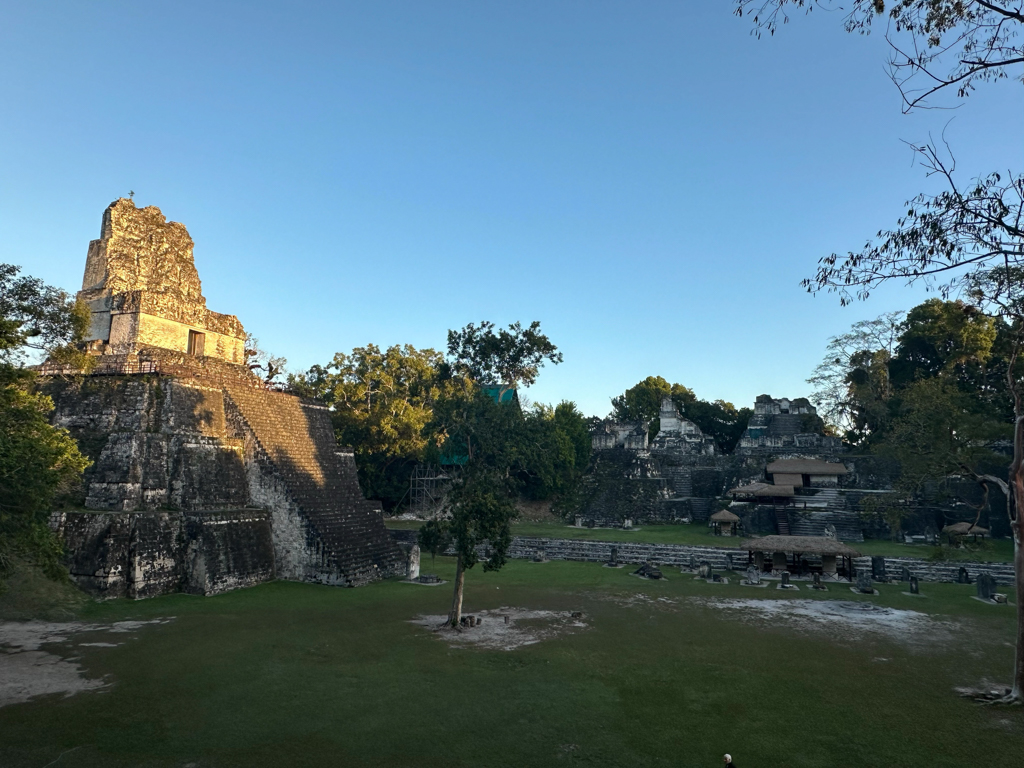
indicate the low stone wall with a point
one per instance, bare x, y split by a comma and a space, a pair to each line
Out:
929, 570
684, 555
145, 554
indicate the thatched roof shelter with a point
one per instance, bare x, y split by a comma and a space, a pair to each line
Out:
965, 529
808, 545
763, 490
725, 516
806, 467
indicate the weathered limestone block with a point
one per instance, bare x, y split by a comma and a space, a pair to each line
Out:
146, 554
155, 442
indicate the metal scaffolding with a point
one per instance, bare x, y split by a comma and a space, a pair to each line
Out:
428, 488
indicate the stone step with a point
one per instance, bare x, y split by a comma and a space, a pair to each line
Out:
296, 441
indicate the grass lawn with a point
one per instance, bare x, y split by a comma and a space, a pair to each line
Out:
299, 675
995, 551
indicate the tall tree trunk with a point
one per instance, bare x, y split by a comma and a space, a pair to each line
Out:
460, 580
1016, 506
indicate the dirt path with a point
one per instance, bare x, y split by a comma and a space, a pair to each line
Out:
27, 671
505, 629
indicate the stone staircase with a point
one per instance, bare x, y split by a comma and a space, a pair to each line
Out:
784, 424
681, 479
825, 506
701, 508
812, 523
345, 539
781, 521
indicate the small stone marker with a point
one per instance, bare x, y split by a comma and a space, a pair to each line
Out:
591, 523
914, 588
878, 568
962, 576
785, 578
728, 561
864, 583
627, 524
753, 575
506, 619
704, 571
579, 521
413, 564
649, 571
905, 574
613, 559
817, 582
986, 586
693, 562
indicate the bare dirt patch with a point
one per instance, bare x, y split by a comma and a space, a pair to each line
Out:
26, 670
854, 618
524, 627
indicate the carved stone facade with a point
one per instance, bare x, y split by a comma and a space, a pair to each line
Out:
608, 434
784, 425
143, 290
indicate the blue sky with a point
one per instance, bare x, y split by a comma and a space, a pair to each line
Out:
646, 179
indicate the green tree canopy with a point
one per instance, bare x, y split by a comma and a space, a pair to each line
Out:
506, 450
37, 460
510, 358
381, 403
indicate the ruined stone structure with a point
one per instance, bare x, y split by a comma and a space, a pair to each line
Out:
786, 426
144, 554
186, 451
143, 289
679, 476
608, 434
679, 435
675, 477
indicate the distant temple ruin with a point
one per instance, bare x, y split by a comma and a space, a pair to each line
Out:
679, 475
786, 425
203, 479
143, 289
680, 435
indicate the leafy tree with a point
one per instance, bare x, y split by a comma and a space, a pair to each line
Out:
498, 443
509, 358
858, 359
642, 401
35, 317
266, 365
937, 436
381, 403
960, 242
935, 45
553, 451
965, 239
943, 338
37, 460
723, 421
